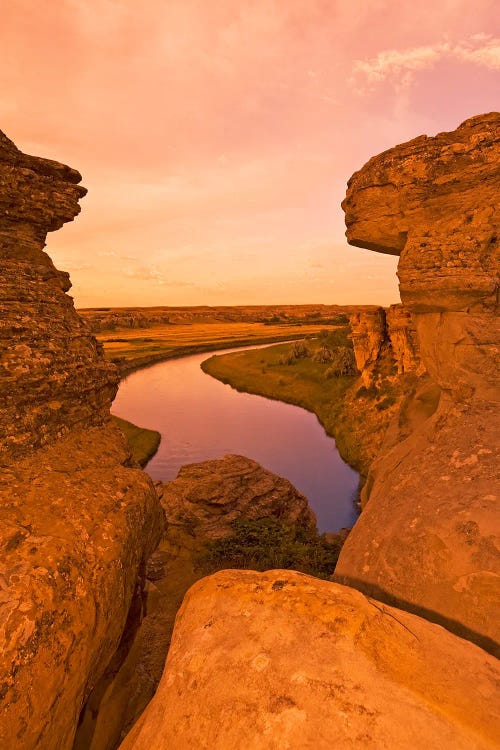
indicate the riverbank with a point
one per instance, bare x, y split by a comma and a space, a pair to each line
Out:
356, 417
132, 349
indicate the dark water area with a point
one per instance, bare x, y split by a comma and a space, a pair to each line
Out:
200, 418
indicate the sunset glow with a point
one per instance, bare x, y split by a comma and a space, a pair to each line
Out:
216, 138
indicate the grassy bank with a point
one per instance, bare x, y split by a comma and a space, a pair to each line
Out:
143, 443
356, 417
131, 349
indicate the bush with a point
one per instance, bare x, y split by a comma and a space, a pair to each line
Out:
323, 355
300, 350
268, 543
343, 363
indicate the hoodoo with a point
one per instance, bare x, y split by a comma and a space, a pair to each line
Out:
427, 539
76, 523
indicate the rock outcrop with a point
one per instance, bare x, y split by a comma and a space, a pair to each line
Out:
77, 525
428, 537
200, 505
209, 496
383, 338
282, 660
52, 374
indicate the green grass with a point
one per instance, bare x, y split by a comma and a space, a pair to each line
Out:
143, 443
270, 544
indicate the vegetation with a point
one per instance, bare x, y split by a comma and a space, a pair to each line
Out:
268, 544
143, 443
131, 348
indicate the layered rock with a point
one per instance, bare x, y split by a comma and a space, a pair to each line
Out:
368, 334
209, 496
282, 660
427, 539
52, 374
77, 525
382, 338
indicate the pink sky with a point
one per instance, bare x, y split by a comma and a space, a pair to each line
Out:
216, 136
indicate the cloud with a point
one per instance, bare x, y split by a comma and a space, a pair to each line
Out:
399, 67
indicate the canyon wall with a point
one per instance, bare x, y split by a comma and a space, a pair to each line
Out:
427, 539
77, 523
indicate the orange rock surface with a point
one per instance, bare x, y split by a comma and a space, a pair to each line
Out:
428, 537
281, 660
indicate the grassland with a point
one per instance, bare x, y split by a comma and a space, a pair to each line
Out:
356, 417
133, 348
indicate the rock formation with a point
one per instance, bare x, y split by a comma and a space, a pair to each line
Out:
427, 539
209, 496
389, 335
52, 373
199, 505
77, 525
282, 660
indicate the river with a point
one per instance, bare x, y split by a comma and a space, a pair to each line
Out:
200, 418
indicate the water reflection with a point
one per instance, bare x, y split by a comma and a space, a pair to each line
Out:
200, 418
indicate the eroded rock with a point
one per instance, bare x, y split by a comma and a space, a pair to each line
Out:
428, 537
282, 660
209, 496
76, 524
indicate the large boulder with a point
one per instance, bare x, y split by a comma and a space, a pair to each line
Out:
210, 495
282, 660
428, 537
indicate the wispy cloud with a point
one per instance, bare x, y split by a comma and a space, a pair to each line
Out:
400, 67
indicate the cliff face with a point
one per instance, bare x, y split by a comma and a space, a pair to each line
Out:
427, 539
77, 525
53, 377
377, 335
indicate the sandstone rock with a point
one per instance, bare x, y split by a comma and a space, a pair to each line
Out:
403, 337
76, 525
77, 528
382, 338
368, 334
428, 538
208, 496
52, 373
282, 660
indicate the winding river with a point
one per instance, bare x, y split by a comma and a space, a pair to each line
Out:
200, 418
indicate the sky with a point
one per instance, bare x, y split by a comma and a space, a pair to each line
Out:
216, 137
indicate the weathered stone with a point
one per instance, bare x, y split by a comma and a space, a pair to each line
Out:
368, 334
52, 373
403, 337
76, 525
428, 537
282, 660
209, 496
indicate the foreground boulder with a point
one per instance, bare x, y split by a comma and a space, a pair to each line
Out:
76, 524
428, 537
210, 495
282, 660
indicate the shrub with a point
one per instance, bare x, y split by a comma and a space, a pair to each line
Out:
300, 350
343, 362
268, 543
323, 355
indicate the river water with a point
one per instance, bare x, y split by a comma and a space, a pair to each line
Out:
200, 418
